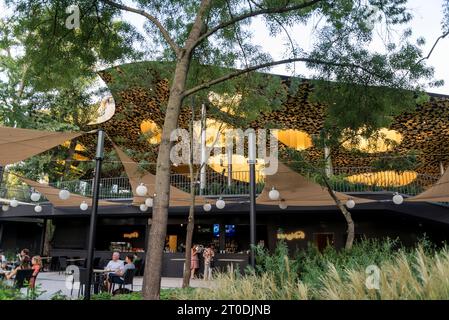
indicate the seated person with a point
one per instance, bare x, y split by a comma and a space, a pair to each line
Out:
36, 265
24, 265
24, 253
3, 266
115, 264
118, 277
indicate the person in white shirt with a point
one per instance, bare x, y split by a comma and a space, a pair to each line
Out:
2, 262
115, 264
2, 257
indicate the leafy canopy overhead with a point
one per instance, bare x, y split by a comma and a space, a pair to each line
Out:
362, 88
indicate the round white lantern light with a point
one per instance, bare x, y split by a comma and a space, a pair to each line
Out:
273, 194
14, 203
35, 196
5, 207
64, 194
37, 209
398, 199
141, 190
84, 206
283, 205
220, 204
207, 207
143, 207
350, 204
149, 202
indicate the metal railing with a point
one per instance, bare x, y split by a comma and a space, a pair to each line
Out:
351, 179
366, 179
120, 188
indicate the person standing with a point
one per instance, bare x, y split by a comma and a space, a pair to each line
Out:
36, 265
194, 261
208, 256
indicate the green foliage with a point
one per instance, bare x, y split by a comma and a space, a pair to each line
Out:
362, 89
48, 79
59, 296
165, 294
8, 292
102, 296
396, 162
278, 264
58, 55
405, 273
445, 22
172, 293
108, 296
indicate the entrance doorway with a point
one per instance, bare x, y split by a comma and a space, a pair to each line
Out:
322, 240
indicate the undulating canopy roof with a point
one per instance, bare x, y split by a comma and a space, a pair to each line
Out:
19, 144
439, 192
296, 190
136, 176
138, 99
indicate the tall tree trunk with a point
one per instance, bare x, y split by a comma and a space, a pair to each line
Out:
189, 235
346, 214
158, 230
191, 219
156, 240
49, 232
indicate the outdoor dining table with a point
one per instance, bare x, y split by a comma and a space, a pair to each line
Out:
99, 277
75, 260
101, 271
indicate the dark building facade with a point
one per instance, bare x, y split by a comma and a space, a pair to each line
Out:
124, 229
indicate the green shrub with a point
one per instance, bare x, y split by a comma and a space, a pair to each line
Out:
102, 296
419, 273
58, 295
9, 293
128, 296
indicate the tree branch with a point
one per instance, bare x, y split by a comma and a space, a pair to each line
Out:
252, 13
150, 17
444, 35
270, 64
197, 27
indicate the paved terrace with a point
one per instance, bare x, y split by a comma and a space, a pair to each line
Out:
52, 282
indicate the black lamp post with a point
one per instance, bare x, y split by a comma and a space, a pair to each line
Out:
93, 217
252, 193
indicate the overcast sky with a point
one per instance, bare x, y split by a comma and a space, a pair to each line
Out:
426, 23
